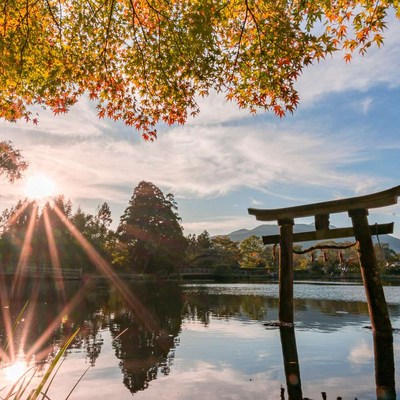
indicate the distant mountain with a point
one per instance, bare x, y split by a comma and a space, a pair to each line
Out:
265, 230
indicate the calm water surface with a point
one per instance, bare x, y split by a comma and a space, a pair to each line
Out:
199, 341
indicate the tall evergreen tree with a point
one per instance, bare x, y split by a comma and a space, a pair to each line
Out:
150, 227
14, 227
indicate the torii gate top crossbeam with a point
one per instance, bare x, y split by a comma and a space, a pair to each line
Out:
375, 200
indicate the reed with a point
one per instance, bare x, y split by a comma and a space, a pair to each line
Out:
20, 387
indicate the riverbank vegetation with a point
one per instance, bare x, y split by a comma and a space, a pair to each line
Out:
149, 239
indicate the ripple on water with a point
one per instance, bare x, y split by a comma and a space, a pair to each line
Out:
302, 290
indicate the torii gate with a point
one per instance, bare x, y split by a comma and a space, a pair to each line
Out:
357, 209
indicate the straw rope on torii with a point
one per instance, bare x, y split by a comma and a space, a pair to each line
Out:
325, 246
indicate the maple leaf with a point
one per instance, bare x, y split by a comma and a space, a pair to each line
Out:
145, 62
347, 57
278, 110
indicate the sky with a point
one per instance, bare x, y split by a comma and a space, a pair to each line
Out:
342, 141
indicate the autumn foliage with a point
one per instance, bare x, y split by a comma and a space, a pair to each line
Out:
146, 61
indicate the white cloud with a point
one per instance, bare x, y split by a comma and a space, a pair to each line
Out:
223, 383
81, 121
366, 104
362, 353
199, 161
377, 67
221, 225
236, 331
216, 109
255, 202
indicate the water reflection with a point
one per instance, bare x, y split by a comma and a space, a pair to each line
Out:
312, 314
384, 367
291, 363
145, 352
142, 352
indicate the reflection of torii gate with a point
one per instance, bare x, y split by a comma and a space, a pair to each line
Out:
357, 209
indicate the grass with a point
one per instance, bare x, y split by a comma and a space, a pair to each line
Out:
20, 389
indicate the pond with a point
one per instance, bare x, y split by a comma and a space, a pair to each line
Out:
198, 341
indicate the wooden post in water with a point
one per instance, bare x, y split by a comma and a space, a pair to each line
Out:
377, 306
384, 367
286, 272
291, 362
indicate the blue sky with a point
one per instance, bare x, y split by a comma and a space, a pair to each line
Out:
342, 141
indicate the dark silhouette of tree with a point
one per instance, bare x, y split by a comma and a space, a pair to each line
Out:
150, 228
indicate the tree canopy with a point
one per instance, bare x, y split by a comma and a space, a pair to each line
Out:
145, 61
151, 232
11, 162
47, 228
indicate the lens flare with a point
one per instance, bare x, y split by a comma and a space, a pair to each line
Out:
39, 187
55, 260
142, 312
13, 372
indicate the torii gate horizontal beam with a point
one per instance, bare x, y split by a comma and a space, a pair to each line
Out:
375, 200
377, 229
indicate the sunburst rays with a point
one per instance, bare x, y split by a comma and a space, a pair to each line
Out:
55, 259
25, 251
103, 267
8, 354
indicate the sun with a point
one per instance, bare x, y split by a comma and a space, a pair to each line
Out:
14, 372
39, 187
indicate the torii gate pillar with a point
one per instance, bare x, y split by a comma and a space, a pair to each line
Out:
377, 306
286, 271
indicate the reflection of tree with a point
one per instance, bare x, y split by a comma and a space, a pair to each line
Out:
143, 351
327, 315
36, 317
202, 306
92, 318
44, 312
